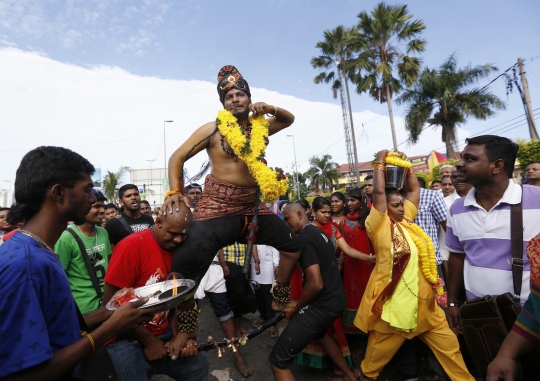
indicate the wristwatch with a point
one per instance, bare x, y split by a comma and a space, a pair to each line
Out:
257, 261
453, 304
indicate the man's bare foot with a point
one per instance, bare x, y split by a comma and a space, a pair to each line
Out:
242, 367
241, 332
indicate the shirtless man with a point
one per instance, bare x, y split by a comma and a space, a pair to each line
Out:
230, 193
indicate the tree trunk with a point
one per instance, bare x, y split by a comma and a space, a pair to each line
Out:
391, 114
449, 139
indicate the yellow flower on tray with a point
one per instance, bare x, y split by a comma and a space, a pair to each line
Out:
251, 151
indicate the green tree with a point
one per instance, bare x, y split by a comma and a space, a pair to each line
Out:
529, 152
336, 53
323, 173
444, 97
112, 181
381, 68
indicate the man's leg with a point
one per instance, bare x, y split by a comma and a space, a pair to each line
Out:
193, 257
273, 231
332, 349
129, 361
444, 344
380, 350
223, 312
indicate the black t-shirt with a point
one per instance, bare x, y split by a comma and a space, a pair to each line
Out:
317, 249
118, 232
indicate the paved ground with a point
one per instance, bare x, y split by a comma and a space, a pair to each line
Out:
255, 353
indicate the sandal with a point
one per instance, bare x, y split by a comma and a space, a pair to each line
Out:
258, 323
274, 334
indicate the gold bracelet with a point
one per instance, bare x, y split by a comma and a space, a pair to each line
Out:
92, 342
170, 193
379, 167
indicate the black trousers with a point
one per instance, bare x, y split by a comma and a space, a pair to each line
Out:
264, 302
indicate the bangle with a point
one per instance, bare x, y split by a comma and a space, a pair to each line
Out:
170, 193
92, 342
281, 293
275, 112
222, 264
379, 167
453, 304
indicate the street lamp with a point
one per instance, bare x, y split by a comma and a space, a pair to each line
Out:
296, 167
150, 161
165, 147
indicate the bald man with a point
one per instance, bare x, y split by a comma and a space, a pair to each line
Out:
141, 259
322, 300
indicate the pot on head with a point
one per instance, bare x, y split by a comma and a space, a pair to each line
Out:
395, 176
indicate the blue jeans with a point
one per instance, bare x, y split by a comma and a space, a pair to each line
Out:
131, 365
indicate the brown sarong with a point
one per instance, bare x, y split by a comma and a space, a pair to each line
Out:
221, 199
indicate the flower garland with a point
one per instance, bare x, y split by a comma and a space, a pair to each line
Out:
428, 263
251, 152
395, 158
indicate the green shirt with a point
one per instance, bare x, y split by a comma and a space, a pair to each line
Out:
73, 263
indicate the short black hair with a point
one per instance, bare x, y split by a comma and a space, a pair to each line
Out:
390, 192
368, 177
124, 188
4, 208
192, 186
498, 147
40, 169
342, 197
111, 205
421, 181
145, 202
99, 195
436, 181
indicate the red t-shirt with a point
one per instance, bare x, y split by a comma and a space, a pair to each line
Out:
138, 261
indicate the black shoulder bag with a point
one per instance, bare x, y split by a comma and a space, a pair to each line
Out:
486, 321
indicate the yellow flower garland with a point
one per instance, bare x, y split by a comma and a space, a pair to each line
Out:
426, 250
252, 151
397, 161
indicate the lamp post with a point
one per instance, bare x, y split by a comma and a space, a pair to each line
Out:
165, 147
150, 161
295, 167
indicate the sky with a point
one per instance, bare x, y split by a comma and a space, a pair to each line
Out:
100, 77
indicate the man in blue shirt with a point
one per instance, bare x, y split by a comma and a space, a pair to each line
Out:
38, 316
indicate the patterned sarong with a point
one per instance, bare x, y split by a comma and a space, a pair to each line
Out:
221, 199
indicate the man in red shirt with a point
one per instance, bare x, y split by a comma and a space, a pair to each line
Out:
158, 348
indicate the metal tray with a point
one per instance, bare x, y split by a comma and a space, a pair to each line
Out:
154, 290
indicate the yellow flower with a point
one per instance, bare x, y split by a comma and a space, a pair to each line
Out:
398, 162
252, 151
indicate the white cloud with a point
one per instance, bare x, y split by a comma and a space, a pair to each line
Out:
115, 118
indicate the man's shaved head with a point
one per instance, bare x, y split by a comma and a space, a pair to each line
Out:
172, 228
295, 216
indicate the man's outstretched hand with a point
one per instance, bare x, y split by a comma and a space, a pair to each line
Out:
173, 202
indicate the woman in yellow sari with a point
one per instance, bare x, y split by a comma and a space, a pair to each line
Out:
400, 298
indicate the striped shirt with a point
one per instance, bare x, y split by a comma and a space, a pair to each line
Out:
484, 238
431, 212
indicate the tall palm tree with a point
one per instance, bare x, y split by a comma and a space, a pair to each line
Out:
335, 53
444, 97
112, 181
382, 69
323, 173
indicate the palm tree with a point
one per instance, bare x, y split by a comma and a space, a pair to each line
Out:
443, 97
335, 53
323, 172
112, 181
377, 42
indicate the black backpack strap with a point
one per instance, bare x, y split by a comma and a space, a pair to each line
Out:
89, 267
82, 323
124, 223
516, 236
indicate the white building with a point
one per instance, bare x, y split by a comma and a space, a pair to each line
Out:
153, 182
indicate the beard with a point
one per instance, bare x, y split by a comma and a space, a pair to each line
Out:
243, 115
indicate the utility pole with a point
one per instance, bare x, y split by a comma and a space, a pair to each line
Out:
527, 102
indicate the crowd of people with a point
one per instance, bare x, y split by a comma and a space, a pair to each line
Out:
361, 277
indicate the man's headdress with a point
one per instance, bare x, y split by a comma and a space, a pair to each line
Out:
229, 77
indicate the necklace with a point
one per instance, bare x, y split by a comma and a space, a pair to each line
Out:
38, 240
480, 202
229, 150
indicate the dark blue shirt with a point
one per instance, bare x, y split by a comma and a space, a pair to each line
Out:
37, 311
